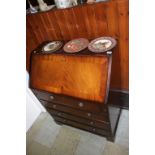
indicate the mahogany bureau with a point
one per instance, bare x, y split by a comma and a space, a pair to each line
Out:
74, 89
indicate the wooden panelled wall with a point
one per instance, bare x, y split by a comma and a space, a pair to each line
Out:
89, 21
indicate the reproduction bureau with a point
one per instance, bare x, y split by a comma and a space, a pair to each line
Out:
74, 89
110, 18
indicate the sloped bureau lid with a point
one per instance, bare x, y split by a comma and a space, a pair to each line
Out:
84, 77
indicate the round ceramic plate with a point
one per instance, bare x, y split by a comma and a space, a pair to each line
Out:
76, 45
102, 44
52, 46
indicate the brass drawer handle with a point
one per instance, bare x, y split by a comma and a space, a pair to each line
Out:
81, 104
54, 106
91, 123
59, 114
88, 114
94, 129
51, 97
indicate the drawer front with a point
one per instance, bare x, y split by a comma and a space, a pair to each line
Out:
92, 123
76, 112
72, 102
82, 126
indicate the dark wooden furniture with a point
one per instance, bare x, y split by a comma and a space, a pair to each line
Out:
119, 98
74, 89
90, 21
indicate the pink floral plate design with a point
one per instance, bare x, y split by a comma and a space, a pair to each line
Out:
76, 45
102, 44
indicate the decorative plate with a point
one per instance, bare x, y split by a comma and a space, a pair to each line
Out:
102, 44
76, 45
52, 46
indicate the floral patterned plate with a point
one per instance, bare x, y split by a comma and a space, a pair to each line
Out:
52, 46
76, 45
102, 44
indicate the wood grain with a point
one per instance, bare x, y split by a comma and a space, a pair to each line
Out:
84, 77
90, 21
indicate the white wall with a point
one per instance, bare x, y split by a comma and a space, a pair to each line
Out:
33, 106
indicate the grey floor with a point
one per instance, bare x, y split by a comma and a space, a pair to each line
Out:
45, 137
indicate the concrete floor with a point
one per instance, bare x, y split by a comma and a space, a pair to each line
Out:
45, 137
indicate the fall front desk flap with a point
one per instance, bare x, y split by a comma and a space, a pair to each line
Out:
84, 77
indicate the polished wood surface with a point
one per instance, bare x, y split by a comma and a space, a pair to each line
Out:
74, 89
90, 21
92, 123
70, 102
83, 126
103, 122
79, 113
80, 76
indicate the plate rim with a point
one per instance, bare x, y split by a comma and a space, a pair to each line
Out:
50, 51
113, 40
73, 40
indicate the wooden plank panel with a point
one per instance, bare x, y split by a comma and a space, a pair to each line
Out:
118, 28
70, 23
113, 31
123, 10
30, 35
48, 28
31, 43
35, 27
41, 19
80, 22
54, 26
87, 21
60, 19
112, 19
92, 21
116, 72
29, 28
100, 16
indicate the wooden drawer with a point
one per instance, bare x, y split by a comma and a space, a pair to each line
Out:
72, 102
75, 112
82, 126
92, 123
